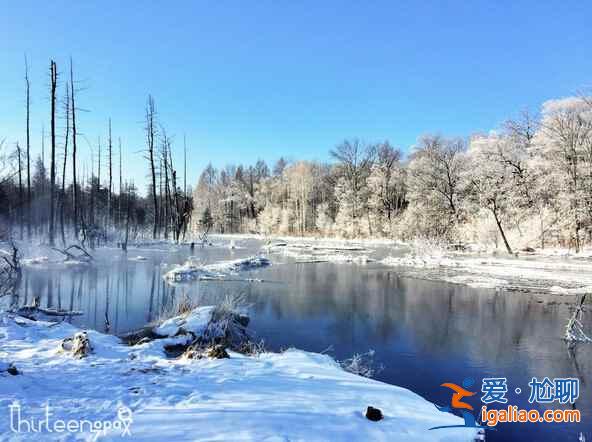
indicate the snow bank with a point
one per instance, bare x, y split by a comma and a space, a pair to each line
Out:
190, 271
293, 395
426, 261
315, 252
310, 239
563, 276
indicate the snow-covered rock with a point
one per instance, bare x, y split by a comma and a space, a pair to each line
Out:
190, 271
193, 322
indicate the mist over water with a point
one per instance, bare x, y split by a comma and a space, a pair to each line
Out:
424, 333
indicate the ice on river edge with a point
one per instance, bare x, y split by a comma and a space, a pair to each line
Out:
560, 276
294, 395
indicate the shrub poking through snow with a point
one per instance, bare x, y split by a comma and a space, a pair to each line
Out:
361, 364
209, 330
78, 345
214, 352
227, 325
252, 348
10, 271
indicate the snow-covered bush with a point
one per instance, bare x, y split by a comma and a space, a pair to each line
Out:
362, 364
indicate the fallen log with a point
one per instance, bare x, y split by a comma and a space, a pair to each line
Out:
34, 313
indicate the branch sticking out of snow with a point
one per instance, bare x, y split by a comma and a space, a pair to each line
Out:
362, 364
574, 330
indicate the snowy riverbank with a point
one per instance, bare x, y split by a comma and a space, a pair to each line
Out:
552, 270
292, 395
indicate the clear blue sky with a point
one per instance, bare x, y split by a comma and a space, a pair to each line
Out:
261, 79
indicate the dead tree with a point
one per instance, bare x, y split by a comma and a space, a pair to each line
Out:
167, 192
184, 166
20, 187
54, 80
74, 134
63, 192
120, 185
29, 197
110, 155
129, 207
150, 135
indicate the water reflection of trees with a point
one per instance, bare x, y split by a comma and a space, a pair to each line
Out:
418, 327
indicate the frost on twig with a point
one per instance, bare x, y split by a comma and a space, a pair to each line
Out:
227, 326
362, 364
10, 271
574, 330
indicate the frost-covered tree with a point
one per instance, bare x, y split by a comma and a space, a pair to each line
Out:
565, 141
354, 163
495, 180
386, 189
434, 187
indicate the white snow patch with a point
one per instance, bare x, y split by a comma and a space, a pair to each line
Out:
293, 395
190, 271
193, 322
564, 276
38, 260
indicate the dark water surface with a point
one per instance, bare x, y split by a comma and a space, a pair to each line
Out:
424, 333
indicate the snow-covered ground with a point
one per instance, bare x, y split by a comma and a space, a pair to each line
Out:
292, 395
555, 273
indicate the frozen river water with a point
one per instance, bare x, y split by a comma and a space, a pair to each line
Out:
424, 332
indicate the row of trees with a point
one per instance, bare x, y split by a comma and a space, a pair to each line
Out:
527, 184
97, 205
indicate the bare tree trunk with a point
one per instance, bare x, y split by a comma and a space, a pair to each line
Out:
63, 197
501, 230
150, 132
21, 192
166, 188
96, 209
74, 182
29, 197
161, 216
54, 79
120, 184
127, 217
110, 177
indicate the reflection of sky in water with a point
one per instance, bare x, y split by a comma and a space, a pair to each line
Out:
424, 333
